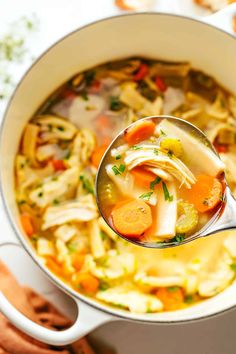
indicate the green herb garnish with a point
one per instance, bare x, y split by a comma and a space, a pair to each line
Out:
118, 157
135, 147
103, 285
156, 151
118, 170
40, 194
103, 235
233, 266
146, 196
72, 247
62, 129
167, 195
179, 237
188, 299
115, 103
173, 289
89, 77
163, 133
157, 180
56, 202
87, 185
84, 95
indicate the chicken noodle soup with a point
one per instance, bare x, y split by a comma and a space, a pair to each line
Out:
55, 169
165, 181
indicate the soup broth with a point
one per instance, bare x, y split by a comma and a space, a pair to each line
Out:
55, 169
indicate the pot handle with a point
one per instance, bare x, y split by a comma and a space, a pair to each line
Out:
222, 19
88, 318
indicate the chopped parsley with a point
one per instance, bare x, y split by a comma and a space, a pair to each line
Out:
87, 185
179, 237
173, 289
56, 202
135, 147
233, 266
72, 247
118, 170
157, 180
84, 95
163, 133
146, 196
103, 235
167, 195
115, 103
188, 299
62, 129
21, 202
103, 285
118, 157
89, 77
156, 152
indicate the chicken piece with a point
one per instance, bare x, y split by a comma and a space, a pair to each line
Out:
68, 212
51, 190
194, 151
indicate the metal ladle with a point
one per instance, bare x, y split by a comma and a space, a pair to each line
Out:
224, 217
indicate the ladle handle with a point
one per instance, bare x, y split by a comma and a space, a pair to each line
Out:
227, 221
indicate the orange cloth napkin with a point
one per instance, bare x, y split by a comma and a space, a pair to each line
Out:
38, 309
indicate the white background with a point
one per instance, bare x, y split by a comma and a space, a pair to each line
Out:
212, 336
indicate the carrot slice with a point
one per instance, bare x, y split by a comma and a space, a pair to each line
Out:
26, 222
143, 177
139, 131
58, 165
54, 266
98, 154
206, 193
172, 298
87, 282
132, 218
78, 261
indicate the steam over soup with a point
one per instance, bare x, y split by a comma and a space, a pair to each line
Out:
55, 169
165, 182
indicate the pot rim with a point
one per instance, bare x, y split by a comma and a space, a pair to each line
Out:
119, 314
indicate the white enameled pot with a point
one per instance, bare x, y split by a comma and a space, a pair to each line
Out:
153, 35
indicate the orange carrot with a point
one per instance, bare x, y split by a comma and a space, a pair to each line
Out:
122, 5
87, 282
54, 266
143, 177
27, 224
78, 261
206, 193
132, 218
139, 131
172, 298
102, 122
58, 165
98, 154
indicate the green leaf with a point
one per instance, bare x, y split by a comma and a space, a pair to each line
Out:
178, 237
115, 103
118, 157
87, 185
188, 299
173, 289
157, 180
146, 196
135, 147
118, 170
156, 151
167, 195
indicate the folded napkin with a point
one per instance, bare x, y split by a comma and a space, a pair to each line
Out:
38, 309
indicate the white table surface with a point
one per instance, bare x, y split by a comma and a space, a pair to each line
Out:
212, 336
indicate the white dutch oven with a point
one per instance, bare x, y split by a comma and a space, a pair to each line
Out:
153, 35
